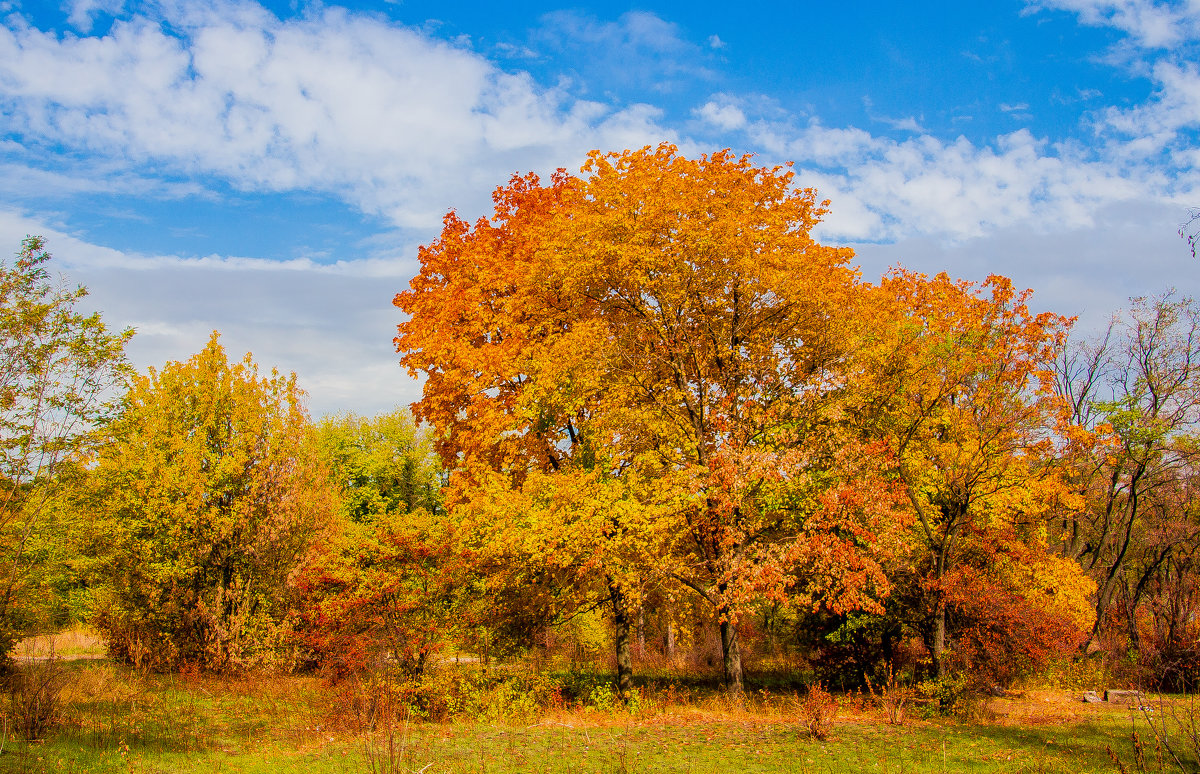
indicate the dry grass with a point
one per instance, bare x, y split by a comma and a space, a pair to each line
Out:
1050, 707
78, 642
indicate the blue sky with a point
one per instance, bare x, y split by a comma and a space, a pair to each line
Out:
267, 169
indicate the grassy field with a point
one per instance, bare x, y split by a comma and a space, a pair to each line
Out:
115, 720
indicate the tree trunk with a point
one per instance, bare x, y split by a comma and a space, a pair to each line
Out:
621, 619
641, 631
939, 637
1131, 605
1104, 597
669, 645
1108, 586
938, 651
732, 658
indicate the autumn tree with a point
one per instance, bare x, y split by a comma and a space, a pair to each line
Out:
392, 589
382, 464
1013, 608
958, 382
564, 543
203, 496
670, 323
1167, 616
733, 335
1137, 386
58, 370
511, 390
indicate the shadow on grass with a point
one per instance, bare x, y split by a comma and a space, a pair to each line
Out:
1078, 746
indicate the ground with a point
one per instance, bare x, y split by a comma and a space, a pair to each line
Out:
115, 719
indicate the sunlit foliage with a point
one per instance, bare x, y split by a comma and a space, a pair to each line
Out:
59, 368
203, 496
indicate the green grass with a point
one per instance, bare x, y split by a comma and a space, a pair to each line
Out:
115, 720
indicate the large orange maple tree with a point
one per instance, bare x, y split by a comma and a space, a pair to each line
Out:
671, 324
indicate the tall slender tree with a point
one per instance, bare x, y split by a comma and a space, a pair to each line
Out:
958, 383
59, 372
1138, 388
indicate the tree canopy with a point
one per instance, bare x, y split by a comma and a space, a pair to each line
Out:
669, 321
653, 405
59, 370
203, 497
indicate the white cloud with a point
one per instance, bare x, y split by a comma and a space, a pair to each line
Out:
639, 49
1149, 23
1157, 124
884, 189
635, 33
389, 119
331, 325
80, 12
1167, 34
722, 114
905, 124
1087, 271
21, 180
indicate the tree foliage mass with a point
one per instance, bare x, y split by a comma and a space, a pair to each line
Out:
656, 414
752, 422
203, 494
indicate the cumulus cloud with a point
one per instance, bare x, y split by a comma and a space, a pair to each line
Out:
19, 180
884, 189
384, 116
722, 114
904, 124
1163, 40
1156, 126
1087, 272
81, 12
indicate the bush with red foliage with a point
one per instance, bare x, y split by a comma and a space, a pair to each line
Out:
998, 632
388, 590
